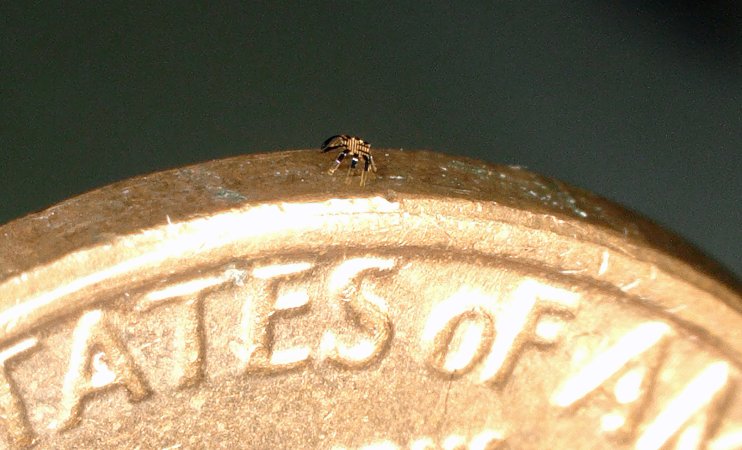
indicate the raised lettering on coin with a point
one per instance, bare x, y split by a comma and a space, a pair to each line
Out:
731, 440
98, 360
691, 413
368, 310
632, 364
469, 311
189, 337
523, 322
451, 305
12, 409
256, 350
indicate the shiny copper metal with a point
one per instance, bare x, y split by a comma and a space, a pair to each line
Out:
258, 302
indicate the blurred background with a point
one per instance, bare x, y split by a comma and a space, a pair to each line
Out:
638, 101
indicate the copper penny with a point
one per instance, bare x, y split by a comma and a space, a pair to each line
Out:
259, 302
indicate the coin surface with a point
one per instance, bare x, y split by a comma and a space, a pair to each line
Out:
258, 302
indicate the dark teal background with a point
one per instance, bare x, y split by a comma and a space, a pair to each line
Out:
640, 102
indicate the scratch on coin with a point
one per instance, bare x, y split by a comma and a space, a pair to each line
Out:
604, 263
148, 344
445, 403
677, 309
630, 286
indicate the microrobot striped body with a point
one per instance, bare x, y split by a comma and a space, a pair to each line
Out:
351, 146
